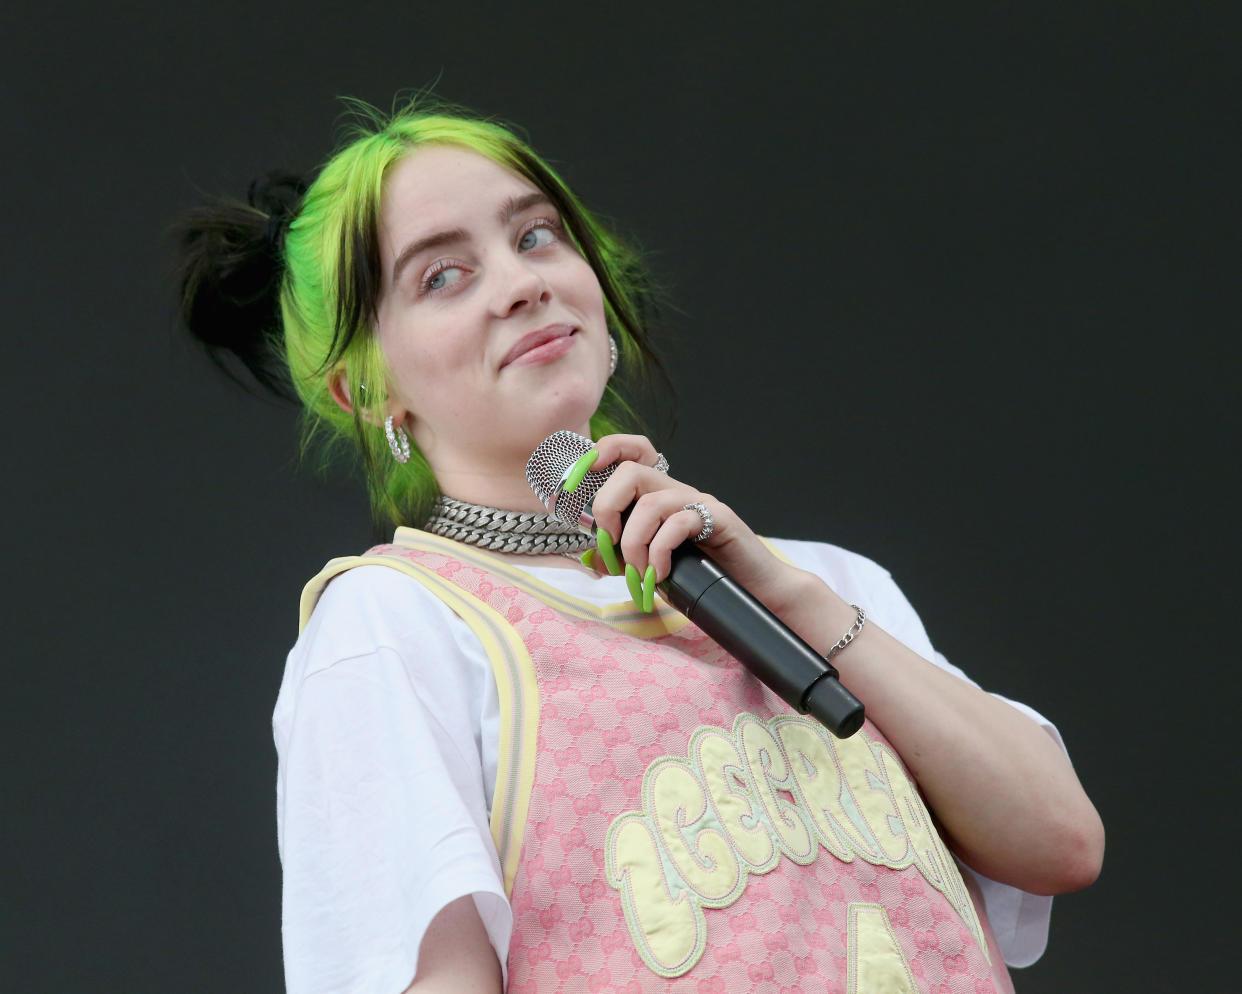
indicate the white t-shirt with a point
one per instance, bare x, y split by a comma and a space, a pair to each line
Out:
387, 737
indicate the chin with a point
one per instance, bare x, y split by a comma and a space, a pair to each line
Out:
571, 409
539, 430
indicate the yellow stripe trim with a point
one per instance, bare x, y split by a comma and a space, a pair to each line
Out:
775, 551
516, 683
623, 615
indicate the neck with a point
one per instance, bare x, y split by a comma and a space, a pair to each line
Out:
495, 478
492, 490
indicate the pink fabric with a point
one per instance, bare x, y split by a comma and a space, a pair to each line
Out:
610, 704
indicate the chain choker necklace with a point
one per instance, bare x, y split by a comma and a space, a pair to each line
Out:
523, 532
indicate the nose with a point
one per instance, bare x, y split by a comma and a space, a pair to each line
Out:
518, 285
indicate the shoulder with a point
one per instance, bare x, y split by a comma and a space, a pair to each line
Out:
365, 609
377, 613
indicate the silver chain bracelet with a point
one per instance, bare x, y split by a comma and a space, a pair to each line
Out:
849, 636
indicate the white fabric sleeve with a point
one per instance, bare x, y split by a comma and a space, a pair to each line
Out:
381, 811
1019, 919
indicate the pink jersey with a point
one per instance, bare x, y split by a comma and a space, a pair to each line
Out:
666, 823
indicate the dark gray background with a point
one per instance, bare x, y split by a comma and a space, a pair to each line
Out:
954, 289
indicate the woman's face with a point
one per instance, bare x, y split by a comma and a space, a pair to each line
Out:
491, 322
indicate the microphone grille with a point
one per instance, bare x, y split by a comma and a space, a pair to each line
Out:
547, 468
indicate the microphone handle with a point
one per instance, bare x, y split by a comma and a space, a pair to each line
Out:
760, 641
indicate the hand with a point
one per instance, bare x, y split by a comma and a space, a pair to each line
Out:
1007, 798
658, 522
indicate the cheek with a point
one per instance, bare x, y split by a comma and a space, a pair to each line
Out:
422, 358
579, 280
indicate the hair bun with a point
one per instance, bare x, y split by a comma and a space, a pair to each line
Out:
231, 270
279, 196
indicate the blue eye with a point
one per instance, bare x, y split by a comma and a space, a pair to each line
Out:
537, 238
442, 278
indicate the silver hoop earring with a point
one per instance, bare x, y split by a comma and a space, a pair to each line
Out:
398, 440
612, 355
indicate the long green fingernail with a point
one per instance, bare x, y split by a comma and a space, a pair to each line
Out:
579, 470
636, 587
648, 589
586, 558
603, 541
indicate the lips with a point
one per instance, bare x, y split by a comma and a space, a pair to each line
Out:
536, 339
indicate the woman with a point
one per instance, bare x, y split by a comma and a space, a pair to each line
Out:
490, 773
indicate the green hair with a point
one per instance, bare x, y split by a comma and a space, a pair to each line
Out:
329, 289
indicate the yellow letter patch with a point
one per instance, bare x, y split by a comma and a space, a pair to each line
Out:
743, 798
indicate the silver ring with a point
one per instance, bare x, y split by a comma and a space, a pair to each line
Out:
708, 524
661, 464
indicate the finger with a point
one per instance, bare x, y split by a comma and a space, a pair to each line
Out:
681, 526
579, 469
648, 515
622, 491
625, 448
594, 562
605, 552
634, 583
649, 589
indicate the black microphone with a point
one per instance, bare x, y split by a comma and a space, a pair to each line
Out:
709, 597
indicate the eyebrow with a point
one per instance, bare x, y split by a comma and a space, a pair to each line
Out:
508, 209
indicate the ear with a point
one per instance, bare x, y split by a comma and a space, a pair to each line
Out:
338, 386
